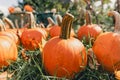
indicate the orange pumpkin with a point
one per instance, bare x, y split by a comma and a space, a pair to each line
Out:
8, 51
64, 55
107, 46
43, 30
55, 31
14, 34
28, 8
11, 9
31, 38
11, 33
89, 31
56, 28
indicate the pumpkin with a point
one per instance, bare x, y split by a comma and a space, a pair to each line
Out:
11, 33
64, 55
107, 46
28, 8
31, 38
89, 31
43, 30
8, 51
11, 9
56, 28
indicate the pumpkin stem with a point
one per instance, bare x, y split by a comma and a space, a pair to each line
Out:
2, 26
59, 20
9, 22
116, 15
88, 18
32, 19
50, 21
66, 26
41, 25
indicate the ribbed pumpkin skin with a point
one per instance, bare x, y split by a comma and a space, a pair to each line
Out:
44, 32
31, 38
12, 34
8, 51
64, 57
107, 50
55, 31
88, 31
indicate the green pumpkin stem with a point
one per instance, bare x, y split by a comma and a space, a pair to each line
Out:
116, 16
66, 26
88, 18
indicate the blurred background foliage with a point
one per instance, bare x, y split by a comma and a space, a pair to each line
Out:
98, 9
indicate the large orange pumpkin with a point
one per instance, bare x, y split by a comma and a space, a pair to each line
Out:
8, 51
89, 31
107, 46
63, 55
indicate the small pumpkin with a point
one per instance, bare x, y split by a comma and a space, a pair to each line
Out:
89, 31
107, 46
31, 38
28, 8
64, 55
8, 51
11, 9
56, 28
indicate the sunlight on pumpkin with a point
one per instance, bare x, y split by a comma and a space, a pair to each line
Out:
42, 44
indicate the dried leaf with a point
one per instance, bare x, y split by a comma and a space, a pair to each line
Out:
5, 75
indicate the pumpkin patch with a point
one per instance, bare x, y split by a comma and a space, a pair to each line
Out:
60, 40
